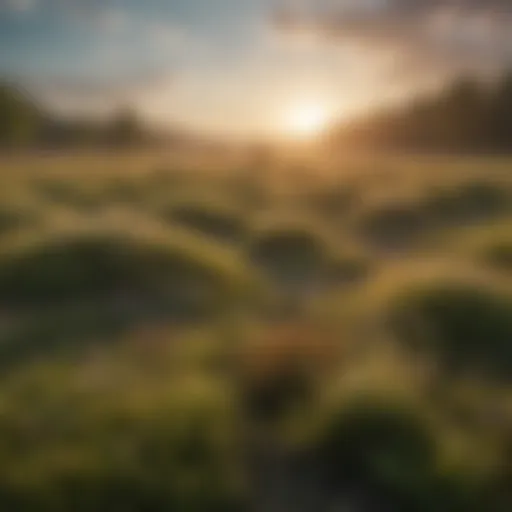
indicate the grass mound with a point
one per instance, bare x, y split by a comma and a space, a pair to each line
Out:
379, 451
73, 445
392, 226
291, 255
117, 263
468, 324
468, 202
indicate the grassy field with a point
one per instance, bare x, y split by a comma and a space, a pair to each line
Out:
220, 333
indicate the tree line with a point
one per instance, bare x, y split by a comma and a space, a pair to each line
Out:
26, 124
466, 116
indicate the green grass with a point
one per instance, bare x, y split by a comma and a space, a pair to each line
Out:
174, 329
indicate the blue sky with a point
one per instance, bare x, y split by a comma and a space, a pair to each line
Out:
236, 66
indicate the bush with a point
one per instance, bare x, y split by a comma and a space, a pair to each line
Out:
392, 226
140, 446
290, 256
118, 264
380, 449
468, 202
467, 324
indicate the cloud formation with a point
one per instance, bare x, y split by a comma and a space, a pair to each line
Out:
470, 33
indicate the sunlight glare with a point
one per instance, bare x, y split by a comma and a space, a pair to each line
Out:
307, 119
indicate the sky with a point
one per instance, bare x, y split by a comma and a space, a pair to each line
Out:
239, 67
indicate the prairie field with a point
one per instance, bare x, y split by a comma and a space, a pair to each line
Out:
217, 332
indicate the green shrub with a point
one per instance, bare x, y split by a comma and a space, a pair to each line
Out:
392, 226
382, 449
140, 446
118, 263
467, 324
468, 202
290, 256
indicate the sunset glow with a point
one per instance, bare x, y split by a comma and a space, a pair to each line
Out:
307, 119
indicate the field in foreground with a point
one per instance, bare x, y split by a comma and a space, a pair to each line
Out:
230, 335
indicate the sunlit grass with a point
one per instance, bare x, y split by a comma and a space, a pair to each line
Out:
162, 316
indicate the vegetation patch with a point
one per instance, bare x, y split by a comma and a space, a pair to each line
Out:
488, 244
392, 226
379, 451
291, 255
469, 202
467, 324
118, 263
210, 219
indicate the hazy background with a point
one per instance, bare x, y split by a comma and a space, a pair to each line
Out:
255, 256
238, 68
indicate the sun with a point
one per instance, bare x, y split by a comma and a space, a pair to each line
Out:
307, 119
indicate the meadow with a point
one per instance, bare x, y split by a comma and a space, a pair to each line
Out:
198, 332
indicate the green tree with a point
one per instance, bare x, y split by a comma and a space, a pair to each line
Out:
19, 118
125, 127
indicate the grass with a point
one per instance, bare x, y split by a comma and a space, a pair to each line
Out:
467, 324
199, 332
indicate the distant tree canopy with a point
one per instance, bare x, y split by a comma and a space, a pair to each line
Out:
19, 118
125, 127
466, 116
25, 124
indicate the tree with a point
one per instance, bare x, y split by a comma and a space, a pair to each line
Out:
501, 114
19, 118
125, 127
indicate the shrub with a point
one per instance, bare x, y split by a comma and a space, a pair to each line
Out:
381, 449
291, 256
392, 226
140, 446
467, 324
467, 202
118, 263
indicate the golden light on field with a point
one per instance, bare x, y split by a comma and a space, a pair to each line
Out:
307, 119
